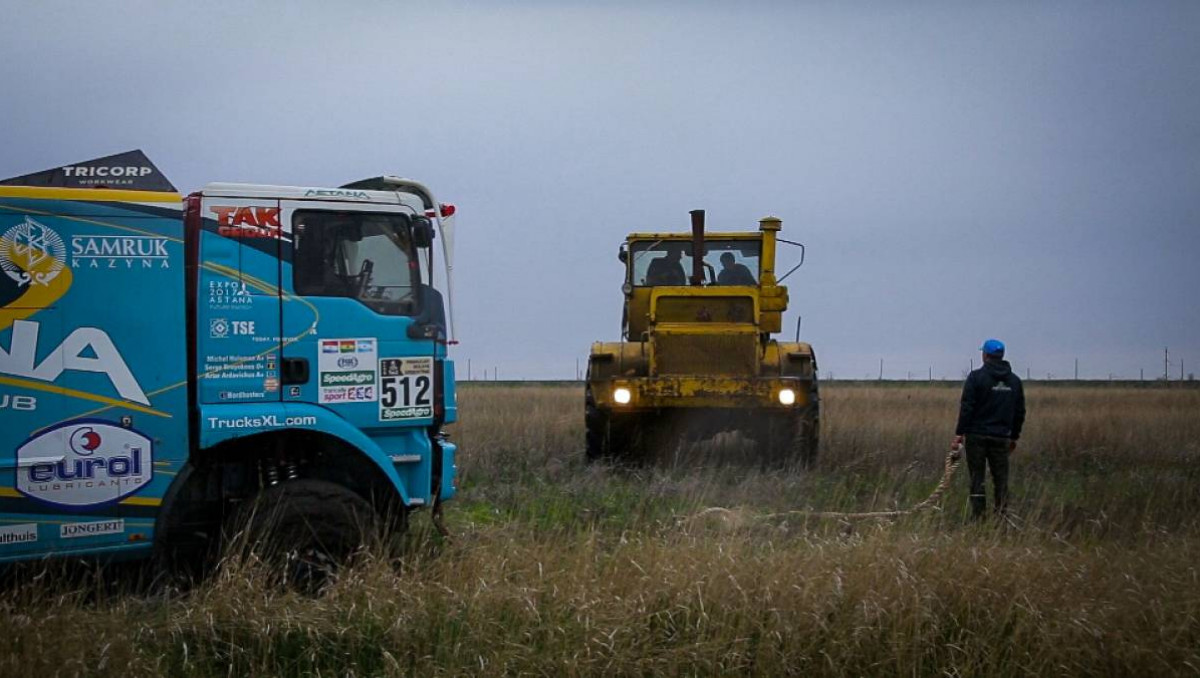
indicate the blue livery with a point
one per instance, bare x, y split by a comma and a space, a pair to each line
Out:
163, 360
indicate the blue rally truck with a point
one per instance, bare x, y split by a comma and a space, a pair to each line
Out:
167, 363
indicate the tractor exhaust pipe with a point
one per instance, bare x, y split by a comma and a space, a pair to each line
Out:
697, 247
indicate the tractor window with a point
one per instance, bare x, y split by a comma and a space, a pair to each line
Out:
669, 262
734, 261
361, 255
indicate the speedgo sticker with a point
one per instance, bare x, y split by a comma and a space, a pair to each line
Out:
91, 529
406, 388
347, 371
84, 463
18, 534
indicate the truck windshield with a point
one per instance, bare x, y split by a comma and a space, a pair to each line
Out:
362, 255
669, 262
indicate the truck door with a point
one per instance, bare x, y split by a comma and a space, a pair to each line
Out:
352, 291
238, 310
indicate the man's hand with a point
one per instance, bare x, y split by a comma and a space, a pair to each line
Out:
956, 448
1012, 446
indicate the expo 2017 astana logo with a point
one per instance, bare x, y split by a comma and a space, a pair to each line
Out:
32, 254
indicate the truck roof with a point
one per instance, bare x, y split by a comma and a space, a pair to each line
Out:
388, 190
301, 193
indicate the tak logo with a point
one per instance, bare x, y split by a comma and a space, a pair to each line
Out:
248, 222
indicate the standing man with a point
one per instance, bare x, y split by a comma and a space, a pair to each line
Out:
990, 416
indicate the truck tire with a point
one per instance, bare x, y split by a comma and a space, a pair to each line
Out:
305, 529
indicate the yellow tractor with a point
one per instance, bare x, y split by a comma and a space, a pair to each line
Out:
697, 356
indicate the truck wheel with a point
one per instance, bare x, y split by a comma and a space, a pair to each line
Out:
306, 529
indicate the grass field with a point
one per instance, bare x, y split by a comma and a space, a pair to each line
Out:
558, 568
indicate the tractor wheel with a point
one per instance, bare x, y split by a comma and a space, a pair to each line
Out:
598, 448
596, 424
807, 438
774, 440
306, 529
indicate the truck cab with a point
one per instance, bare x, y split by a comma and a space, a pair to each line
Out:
168, 364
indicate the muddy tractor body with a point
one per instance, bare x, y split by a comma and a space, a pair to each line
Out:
697, 355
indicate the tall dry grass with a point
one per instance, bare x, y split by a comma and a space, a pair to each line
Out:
558, 568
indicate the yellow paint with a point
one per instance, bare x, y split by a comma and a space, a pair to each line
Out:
88, 194
82, 395
12, 492
36, 296
141, 524
721, 357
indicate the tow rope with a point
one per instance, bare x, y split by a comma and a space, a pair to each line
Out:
953, 459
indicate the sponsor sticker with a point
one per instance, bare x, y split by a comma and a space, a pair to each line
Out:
20, 403
91, 529
346, 371
248, 222
405, 388
335, 193
219, 328
87, 462
228, 295
120, 252
85, 349
259, 422
241, 395
32, 254
18, 534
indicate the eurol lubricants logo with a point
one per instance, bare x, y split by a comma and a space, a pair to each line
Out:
84, 463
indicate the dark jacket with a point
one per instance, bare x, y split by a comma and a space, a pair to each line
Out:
663, 271
738, 274
993, 402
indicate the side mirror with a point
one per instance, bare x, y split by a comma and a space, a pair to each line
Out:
422, 232
623, 255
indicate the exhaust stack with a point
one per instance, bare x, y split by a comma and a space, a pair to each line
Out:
697, 278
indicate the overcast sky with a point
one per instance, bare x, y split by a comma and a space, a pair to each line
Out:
1029, 171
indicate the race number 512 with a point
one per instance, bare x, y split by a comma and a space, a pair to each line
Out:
406, 388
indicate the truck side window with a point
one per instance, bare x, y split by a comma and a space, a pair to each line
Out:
361, 255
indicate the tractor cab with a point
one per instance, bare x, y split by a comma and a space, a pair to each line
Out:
702, 278
697, 350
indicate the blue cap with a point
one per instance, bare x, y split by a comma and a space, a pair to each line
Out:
993, 347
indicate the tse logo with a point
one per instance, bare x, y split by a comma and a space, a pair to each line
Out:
245, 327
247, 222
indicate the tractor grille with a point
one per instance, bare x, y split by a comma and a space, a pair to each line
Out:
729, 309
706, 354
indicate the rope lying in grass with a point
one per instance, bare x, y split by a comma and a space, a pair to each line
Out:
930, 502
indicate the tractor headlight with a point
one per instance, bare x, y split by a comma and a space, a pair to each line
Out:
622, 395
787, 396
